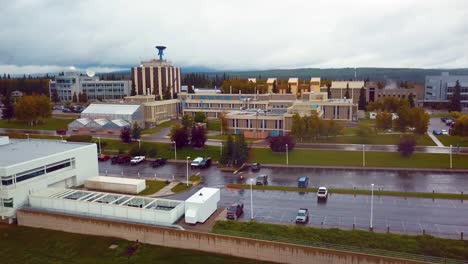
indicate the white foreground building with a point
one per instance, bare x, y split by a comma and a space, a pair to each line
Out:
30, 166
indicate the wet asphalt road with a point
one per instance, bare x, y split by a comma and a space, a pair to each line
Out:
345, 179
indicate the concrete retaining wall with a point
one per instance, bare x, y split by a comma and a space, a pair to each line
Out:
213, 243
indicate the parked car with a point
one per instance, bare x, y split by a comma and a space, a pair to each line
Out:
303, 182
196, 162
240, 179
123, 159
158, 162
302, 216
449, 121
261, 180
255, 166
205, 163
61, 131
322, 193
103, 157
444, 132
443, 119
436, 132
234, 211
114, 159
66, 110
137, 160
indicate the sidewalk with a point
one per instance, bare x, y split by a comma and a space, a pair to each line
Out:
166, 191
435, 139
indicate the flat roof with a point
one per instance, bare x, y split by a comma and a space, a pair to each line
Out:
202, 195
23, 150
111, 109
108, 179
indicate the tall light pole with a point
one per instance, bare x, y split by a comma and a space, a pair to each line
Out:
450, 156
175, 150
287, 155
363, 155
372, 208
187, 169
251, 199
99, 140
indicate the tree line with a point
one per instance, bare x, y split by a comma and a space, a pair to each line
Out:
189, 133
311, 127
200, 80
28, 86
33, 109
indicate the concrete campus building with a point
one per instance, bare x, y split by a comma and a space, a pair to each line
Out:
156, 77
74, 83
29, 166
439, 89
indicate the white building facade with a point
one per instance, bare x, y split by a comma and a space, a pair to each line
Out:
30, 166
74, 83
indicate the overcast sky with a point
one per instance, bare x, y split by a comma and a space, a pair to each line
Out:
39, 36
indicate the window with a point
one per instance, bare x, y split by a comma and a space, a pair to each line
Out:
29, 174
7, 180
8, 202
60, 165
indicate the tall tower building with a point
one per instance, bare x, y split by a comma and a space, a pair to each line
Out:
156, 77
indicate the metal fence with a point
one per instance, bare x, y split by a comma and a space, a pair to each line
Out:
319, 244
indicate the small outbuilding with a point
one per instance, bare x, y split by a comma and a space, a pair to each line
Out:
116, 184
200, 206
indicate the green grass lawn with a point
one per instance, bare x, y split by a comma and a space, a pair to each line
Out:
354, 158
453, 140
164, 150
153, 186
224, 138
32, 245
352, 191
66, 116
213, 125
380, 139
50, 124
148, 131
360, 240
180, 187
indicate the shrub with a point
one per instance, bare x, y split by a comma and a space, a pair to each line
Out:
407, 145
278, 144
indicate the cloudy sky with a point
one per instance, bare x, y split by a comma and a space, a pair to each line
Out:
39, 36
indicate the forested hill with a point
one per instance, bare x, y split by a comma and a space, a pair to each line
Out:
397, 74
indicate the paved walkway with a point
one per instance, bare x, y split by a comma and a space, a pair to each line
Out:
165, 191
435, 139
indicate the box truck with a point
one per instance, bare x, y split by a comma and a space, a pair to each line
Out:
201, 205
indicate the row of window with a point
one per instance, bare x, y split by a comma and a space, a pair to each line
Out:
102, 85
23, 176
103, 90
249, 124
462, 89
8, 202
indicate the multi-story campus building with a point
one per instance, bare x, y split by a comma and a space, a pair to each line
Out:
30, 166
71, 83
439, 89
338, 89
158, 78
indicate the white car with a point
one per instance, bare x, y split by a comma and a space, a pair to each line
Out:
196, 162
322, 193
444, 132
137, 160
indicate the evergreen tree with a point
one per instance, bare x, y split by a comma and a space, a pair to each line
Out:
198, 136
136, 131
455, 104
8, 110
274, 88
85, 97
411, 100
362, 99
347, 91
74, 98
329, 91
55, 96
125, 135
133, 91
80, 97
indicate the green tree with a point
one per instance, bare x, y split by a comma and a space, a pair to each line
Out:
455, 103
125, 135
311, 126
364, 131
461, 127
187, 121
180, 136
362, 99
347, 95
55, 96
199, 117
8, 108
404, 118
455, 115
411, 100
136, 131
198, 138
240, 152
297, 127
383, 121
228, 147
74, 98
43, 107
420, 120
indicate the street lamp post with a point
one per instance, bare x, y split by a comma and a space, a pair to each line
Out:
187, 170
450, 156
175, 150
99, 142
363, 155
287, 155
251, 199
372, 208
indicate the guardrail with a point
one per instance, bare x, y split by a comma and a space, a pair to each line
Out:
318, 244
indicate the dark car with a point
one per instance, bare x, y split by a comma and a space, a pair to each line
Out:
123, 159
103, 157
443, 119
303, 182
158, 162
205, 163
255, 166
436, 132
234, 211
261, 180
61, 131
114, 159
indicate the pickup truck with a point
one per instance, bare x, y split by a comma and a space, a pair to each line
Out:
137, 160
261, 180
302, 216
200, 163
